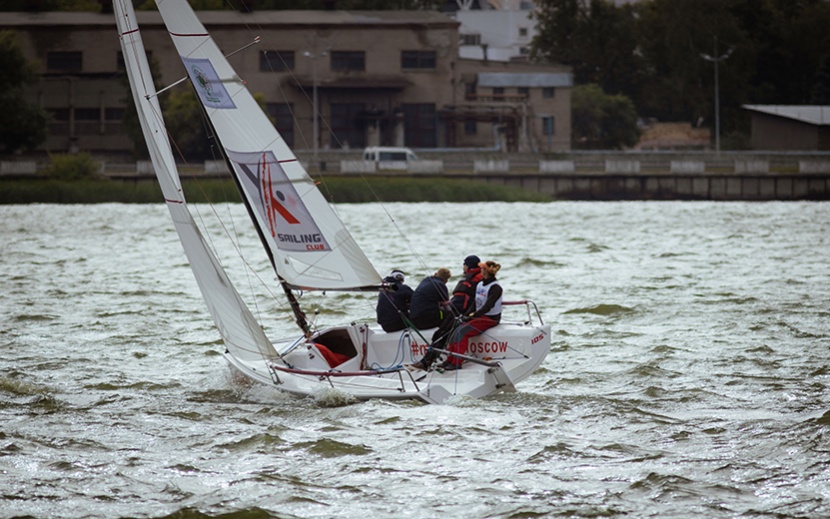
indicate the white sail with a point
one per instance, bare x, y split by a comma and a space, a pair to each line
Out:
310, 246
240, 331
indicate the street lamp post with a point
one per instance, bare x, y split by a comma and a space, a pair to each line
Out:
717, 59
315, 132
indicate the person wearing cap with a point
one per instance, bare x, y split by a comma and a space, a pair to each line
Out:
487, 314
429, 300
463, 299
393, 302
463, 296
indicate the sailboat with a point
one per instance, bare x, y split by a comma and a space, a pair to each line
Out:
308, 246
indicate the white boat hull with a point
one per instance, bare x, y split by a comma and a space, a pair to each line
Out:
500, 358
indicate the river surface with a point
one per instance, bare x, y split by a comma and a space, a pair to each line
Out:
688, 376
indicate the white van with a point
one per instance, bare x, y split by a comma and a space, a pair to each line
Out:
389, 157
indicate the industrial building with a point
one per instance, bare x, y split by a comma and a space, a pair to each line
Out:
374, 77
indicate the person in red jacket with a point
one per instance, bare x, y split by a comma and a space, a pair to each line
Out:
463, 296
487, 314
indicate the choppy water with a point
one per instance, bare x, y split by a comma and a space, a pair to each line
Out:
688, 375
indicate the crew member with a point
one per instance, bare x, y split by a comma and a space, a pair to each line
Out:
487, 314
393, 302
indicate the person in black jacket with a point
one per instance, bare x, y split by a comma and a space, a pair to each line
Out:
393, 302
430, 300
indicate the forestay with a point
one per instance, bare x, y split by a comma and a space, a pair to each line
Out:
240, 331
310, 247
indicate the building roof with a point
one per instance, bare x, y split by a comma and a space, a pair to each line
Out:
214, 18
526, 79
812, 114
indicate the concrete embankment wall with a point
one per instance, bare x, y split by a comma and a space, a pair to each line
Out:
630, 176
651, 176
573, 176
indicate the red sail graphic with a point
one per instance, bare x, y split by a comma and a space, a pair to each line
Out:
272, 205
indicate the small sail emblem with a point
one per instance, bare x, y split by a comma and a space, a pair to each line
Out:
208, 85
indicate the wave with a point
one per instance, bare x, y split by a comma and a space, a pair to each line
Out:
328, 448
533, 262
601, 309
21, 388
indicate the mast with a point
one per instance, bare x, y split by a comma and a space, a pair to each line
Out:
299, 315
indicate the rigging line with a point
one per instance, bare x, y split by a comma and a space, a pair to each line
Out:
306, 178
182, 80
209, 237
257, 39
328, 127
236, 244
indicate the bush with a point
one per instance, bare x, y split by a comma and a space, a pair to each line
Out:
72, 167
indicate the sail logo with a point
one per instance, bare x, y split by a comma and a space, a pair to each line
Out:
273, 198
284, 217
209, 86
203, 82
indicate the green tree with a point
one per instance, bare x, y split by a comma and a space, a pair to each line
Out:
596, 38
680, 82
22, 124
804, 41
130, 122
78, 166
188, 128
602, 121
821, 89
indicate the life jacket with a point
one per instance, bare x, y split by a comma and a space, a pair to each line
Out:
482, 294
465, 290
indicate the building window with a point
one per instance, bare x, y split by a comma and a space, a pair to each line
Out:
64, 61
548, 92
420, 125
348, 60
522, 32
276, 60
523, 91
470, 90
113, 114
112, 119
470, 127
88, 121
87, 114
58, 121
547, 125
282, 116
347, 125
418, 59
498, 91
470, 39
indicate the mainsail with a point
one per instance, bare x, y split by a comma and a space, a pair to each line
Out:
310, 246
240, 331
